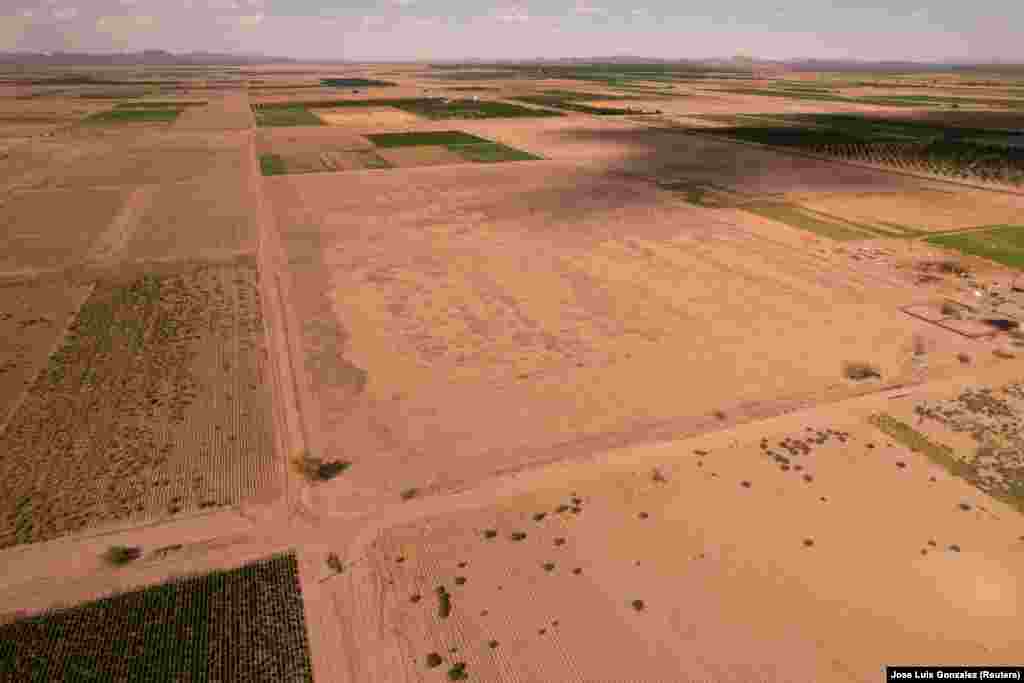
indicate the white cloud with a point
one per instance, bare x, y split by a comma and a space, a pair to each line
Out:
256, 3
25, 14
403, 3
250, 20
583, 8
512, 15
223, 4
65, 13
128, 3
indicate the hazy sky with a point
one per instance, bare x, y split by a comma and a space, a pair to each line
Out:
453, 29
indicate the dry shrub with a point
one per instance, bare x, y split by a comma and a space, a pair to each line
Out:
951, 310
859, 370
963, 358
315, 469
952, 267
1003, 353
122, 554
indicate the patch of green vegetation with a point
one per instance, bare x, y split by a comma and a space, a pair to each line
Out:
122, 554
134, 116
160, 105
943, 455
245, 624
471, 109
435, 108
293, 115
354, 83
272, 164
425, 138
798, 217
444, 602
372, 160
560, 102
1003, 244
491, 152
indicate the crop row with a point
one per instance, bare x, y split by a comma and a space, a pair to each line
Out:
946, 159
245, 624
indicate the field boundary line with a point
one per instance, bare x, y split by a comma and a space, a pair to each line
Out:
121, 229
856, 164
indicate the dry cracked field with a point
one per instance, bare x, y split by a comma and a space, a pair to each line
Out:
515, 385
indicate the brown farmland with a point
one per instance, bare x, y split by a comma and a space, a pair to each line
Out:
658, 406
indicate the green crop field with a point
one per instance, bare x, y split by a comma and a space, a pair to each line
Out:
489, 153
245, 624
469, 147
561, 102
272, 164
803, 219
295, 115
160, 105
1002, 244
443, 137
135, 115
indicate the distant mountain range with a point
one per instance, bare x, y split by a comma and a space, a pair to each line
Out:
737, 63
144, 58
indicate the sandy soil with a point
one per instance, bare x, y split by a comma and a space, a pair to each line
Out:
414, 346
686, 548
33, 318
383, 117
933, 210
39, 234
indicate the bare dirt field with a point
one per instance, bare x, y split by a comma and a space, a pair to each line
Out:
169, 228
230, 112
932, 210
602, 299
154, 405
39, 233
645, 565
33, 317
367, 117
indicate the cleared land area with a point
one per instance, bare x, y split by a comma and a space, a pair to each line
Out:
241, 624
644, 565
40, 234
33, 316
600, 297
153, 405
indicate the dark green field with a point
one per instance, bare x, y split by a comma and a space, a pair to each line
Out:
561, 102
272, 164
247, 624
956, 152
1002, 244
469, 147
489, 153
431, 108
444, 137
